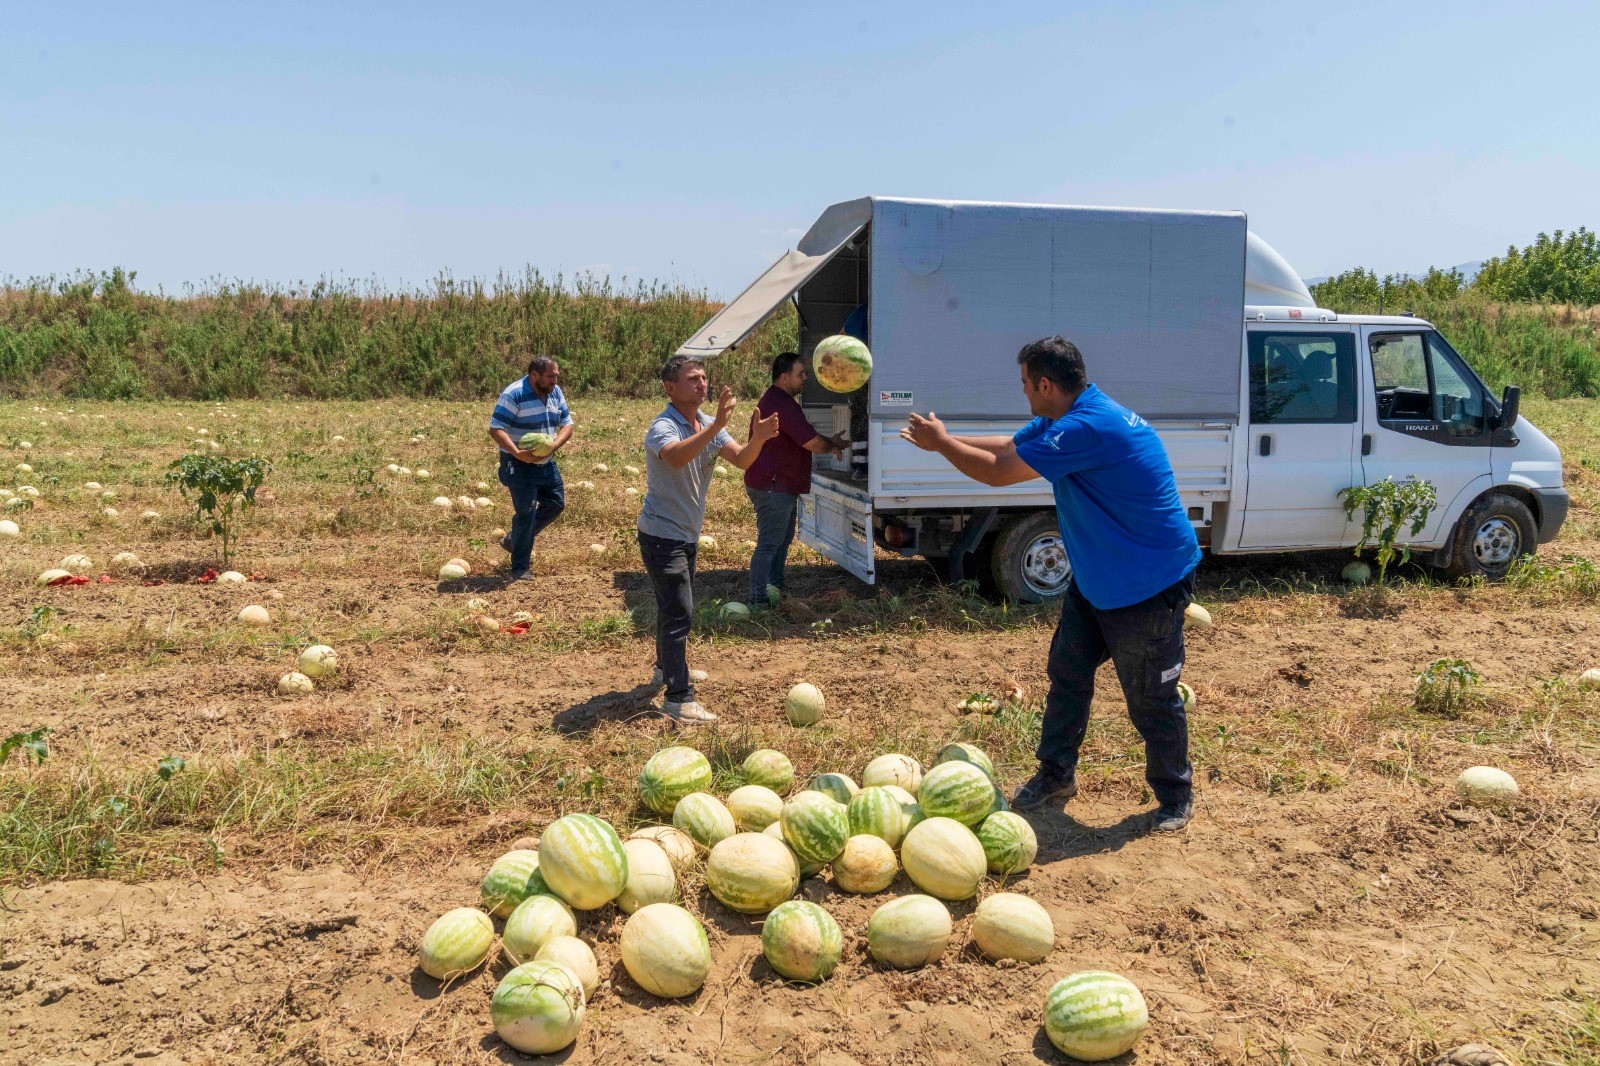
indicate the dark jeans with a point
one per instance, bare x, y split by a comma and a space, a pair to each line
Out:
537, 498
775, 521
1145, 643
670, 564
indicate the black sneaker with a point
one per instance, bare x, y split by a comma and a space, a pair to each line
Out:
519, 575
505, 542
1043, 787
1171, 817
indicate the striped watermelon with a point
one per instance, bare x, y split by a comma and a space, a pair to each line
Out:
1094, 1015
807, 869
678, 845
1008, 842
957, 790
900, 770
670, 775
876, 811
801, 941
943, 857
815, 826
751, 873
705, 818
866, 865
456, 942
512, 878
1009, 926
651, 875
538, 1008
909, 932
771, 769
665, 950
576, 956
754, 807
841, 363
582, 861
838, 787
971, 753
908, 804
536, 921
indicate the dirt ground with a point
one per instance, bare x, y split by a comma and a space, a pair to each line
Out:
1331, 902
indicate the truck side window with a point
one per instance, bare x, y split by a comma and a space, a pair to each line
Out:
1400, 376
1301, 378
1458, 400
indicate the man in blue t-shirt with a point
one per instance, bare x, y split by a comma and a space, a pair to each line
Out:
1133, 554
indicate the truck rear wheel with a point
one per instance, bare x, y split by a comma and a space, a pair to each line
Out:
1029, 562
1494, 532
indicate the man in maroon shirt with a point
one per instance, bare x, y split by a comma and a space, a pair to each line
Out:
781, 474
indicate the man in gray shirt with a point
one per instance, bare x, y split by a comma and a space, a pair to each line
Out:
681, 446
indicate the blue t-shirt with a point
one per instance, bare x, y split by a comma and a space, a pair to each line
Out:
1124, 528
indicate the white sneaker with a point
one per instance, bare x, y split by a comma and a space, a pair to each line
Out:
689, 713
657, 679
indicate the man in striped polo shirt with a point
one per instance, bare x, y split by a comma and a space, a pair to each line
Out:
533, 404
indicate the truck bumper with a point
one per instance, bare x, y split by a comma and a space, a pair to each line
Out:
1553, 504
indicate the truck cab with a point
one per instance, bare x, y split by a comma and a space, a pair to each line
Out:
1268, 406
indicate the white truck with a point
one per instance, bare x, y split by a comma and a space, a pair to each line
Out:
1268, 405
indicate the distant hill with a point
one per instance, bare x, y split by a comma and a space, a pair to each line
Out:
1468, 271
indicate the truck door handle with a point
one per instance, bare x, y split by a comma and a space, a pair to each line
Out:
1266, 444
1366, 444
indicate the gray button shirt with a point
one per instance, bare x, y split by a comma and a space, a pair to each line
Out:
675, 499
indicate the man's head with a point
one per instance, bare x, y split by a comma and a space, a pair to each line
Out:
1052, 375
543, 372
789, 373
684, 378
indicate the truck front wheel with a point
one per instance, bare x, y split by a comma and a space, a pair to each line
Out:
1494, 532
1029, 561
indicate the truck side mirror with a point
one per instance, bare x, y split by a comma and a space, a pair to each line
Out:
1509, 403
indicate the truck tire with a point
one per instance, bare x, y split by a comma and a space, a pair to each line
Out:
1494, 532
1029, 562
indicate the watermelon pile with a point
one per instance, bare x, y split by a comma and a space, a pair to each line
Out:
947, 828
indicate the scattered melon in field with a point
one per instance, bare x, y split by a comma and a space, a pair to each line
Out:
452, 571
601, 468
464, 503
1187, 694
1094, 1016
405, 471
893, 769
630, 491
9, 529
841, 363
804, 704
294, 684
880, 812
944, 858
319, 660
705, 818
17, 503
719, 470
456, 942
755, 807
807, 868
631, 470
1589, 681
665, 951
108, 495
25, 444
77, 565
125, 563
422, 475
576, 956
443, 503
480, 486
815, 825
496, 533
392, 468
521, 618
150, 516
483, 625
254, 615
476, 605
969, 753
841, 788
651, 876
1011, 926
483, 503
92, 486
512, 878
1357, 573
1196, 617
770, 768
678, 845
540, 444
231, 577
867, 864
581, 859
1486, 786
751, 873
597, 549
671, 774
109, 512
909, 932
734, 611
534, 922
1009, 843
24, 468
801, 941
538, 1008
28, 492
959, 790
338, 439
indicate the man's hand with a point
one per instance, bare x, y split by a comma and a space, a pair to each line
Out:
522, 455
926, 433
763, 429
726, 402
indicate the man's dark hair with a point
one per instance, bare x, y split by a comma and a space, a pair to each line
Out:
783, 363
1055, 358
540, 364
672, 368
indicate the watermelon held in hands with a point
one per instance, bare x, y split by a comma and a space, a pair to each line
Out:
540, 444
841, 363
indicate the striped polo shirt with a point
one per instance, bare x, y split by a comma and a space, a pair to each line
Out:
520, 410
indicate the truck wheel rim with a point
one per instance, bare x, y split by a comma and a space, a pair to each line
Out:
1496, 542
1045, 567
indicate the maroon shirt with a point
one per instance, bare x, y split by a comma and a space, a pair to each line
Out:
784, 465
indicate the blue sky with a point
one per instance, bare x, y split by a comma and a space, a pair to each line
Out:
696, 142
